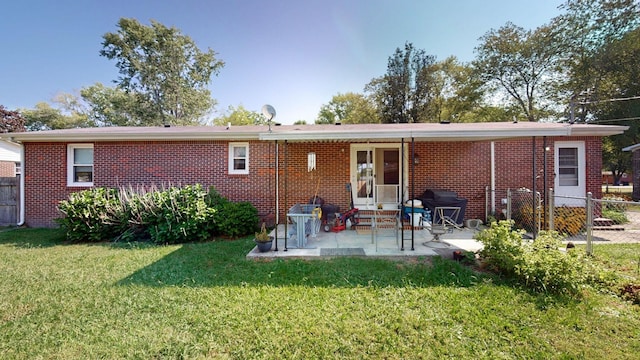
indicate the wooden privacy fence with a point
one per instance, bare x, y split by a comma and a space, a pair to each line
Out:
9, 200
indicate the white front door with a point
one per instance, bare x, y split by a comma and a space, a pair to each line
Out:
570, 172
375, 174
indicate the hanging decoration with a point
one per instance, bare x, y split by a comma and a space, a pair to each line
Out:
311, 161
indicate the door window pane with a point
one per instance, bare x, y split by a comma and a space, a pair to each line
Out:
568, 166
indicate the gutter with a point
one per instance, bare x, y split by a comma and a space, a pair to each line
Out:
22, 176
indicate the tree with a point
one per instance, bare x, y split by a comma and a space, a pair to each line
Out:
10, 121
404, 94
619, 85
584, 30
112, 106
349, 108
601, 63
457, 91
43, 117
239, 116
163, 70
520, 62
46, 117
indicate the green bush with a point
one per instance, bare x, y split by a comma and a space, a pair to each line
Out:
502, 246
617, 217
236, 219
538, 264
88, 214
164, 216
545, 268
177, 215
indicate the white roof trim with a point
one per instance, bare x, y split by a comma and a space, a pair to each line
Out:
320, 133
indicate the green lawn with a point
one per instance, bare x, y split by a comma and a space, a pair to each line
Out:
66, 301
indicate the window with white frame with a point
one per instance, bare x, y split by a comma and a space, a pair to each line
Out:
18, 169
568, 166
239, 158
80, 165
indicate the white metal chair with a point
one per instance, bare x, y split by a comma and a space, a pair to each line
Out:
443, 221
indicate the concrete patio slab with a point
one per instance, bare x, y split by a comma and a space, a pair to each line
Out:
385, 243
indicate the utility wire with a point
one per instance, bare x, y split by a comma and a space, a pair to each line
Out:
608, 100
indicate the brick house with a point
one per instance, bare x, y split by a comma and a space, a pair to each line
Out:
9, 159
635, 169
291, 163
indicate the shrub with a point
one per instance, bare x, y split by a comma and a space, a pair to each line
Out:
164, 216
236, 219
615, 216
502, 246
88, 214
545, 268
177, 215
537, 264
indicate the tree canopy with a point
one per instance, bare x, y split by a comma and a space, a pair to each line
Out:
404, 93
239, 116
163, 76
520, 62
10, 120
348, 108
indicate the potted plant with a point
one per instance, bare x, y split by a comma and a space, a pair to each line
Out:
263, 240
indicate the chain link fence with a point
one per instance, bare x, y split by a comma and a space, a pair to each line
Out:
579, 219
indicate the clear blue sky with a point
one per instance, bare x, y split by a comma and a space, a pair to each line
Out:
292, 54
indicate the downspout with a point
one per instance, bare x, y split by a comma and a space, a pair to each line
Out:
493, 178
22, 167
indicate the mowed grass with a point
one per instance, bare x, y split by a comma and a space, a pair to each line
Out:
205, 300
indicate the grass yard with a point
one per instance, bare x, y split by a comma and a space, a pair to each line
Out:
205, 300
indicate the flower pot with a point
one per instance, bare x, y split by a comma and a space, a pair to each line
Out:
264, 246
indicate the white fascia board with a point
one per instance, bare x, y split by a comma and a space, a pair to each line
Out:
454, 135
597, 130
631, 148
90, 137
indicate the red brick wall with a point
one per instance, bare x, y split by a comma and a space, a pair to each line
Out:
45, 179
463, 167
329, 179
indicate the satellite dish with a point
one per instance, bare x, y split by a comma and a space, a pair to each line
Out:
269, 112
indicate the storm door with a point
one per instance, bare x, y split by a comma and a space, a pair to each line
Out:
375, 174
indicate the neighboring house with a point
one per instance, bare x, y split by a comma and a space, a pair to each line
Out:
245, 163
635, 169
9, 159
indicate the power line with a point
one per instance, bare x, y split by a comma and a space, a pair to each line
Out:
609, 100
611, 120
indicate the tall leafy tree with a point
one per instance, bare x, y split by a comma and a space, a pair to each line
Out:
404, 94
113, 106
520, 62
584, 29
348, 108
457, 91
239, 116
10, 120
68, 114
619, 84
164, 69
601, 64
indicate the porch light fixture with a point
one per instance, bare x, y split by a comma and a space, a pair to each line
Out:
416, 159
311, 161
